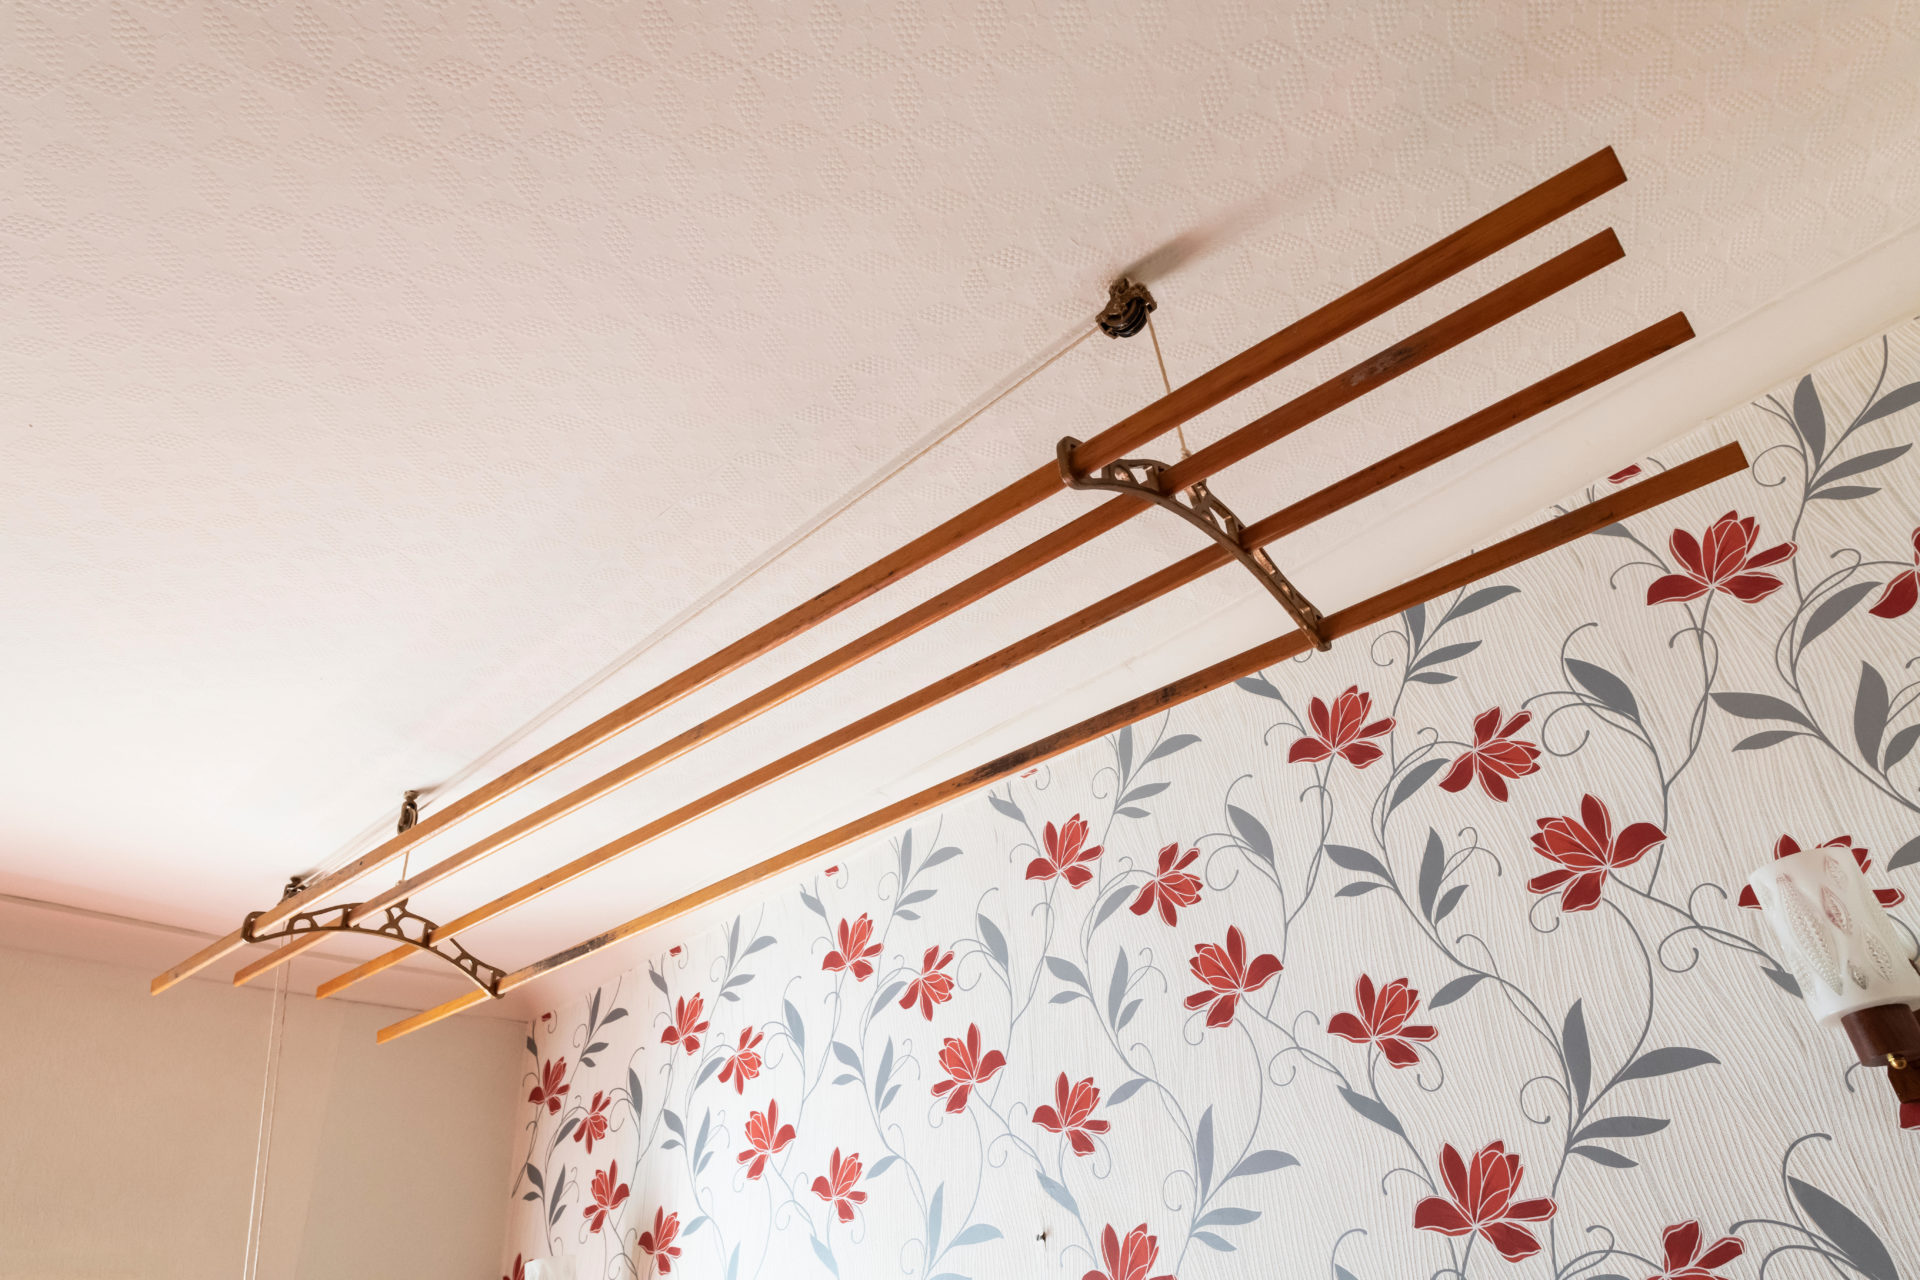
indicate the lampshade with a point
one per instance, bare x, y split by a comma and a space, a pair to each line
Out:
550, 1269
1834, 938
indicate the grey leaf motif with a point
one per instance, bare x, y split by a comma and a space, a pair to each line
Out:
1809, 419
1783, 980
1433, 865
846, 1055
1356, 860
1621, 1127
1480, 599
1228, 1217
1068, 971
1357, 888
795, 1027
1372, 1110
1260, 685
1448, 901
1059, 1193
1893, 402
1125, 1091
1869, 714
1844, 1228
825, 1255
1416, 622
1864, 462
1573, 1041
978, 1233
939, 856
1178, 742
1832, 609
1609, 689
1906, 855
1260, 1162
1414, 779
933, 1219
1446, 653
1007, 807
1899, 745
1123, 750
634, 1094
1761, 741
1662, 1062
1602, 1155
1844, 492
1213, 1241
1117, 988
1113, 903
1760, 706
1455, 989
993, 939
1203, 1152
1252, 833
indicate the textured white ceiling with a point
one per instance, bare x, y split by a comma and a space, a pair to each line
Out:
372, 373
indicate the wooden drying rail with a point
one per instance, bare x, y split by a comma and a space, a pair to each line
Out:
1610, 508
1442, 335
1473, 243
1550, 391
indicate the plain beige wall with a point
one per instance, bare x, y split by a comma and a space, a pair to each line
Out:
128, 1125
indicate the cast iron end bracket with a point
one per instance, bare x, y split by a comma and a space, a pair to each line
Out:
1196, 504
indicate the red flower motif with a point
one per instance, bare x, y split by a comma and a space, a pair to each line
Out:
658, 1243
1383, 1020
836, 1185
1722, 560
593, 1125
1172, 886
1625, 474
1068, 1115
552, 1086
687, 1026
1340, 731
743, 1064
1587, 851
765, 1137
856, 948
1483, 1202
932, 987
609, 1193
1786, 846
1228, 976
1496, 755
1065, 857
1899, 595
519, 1269
1130, 1259
967, 1067
1686, 1262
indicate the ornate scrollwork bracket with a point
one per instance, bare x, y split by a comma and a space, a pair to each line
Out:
1196, 504
399, 925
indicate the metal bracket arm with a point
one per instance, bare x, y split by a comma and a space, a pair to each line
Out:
400, 925
1196, 505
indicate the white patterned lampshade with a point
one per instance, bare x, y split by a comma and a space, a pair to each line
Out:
550, 1269
1834, 938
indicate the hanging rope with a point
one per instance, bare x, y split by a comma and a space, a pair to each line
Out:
263, 1141
1178, 430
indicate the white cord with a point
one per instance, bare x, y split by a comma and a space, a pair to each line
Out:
263, 1142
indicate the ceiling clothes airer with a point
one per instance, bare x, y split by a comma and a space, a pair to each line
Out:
1097, 463
1505, 226
1516, 408
1575, 263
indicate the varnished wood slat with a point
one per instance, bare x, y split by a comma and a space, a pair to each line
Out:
1504, 226
1608, 509
1548, 392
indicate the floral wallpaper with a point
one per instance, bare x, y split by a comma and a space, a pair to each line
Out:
1425, 957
